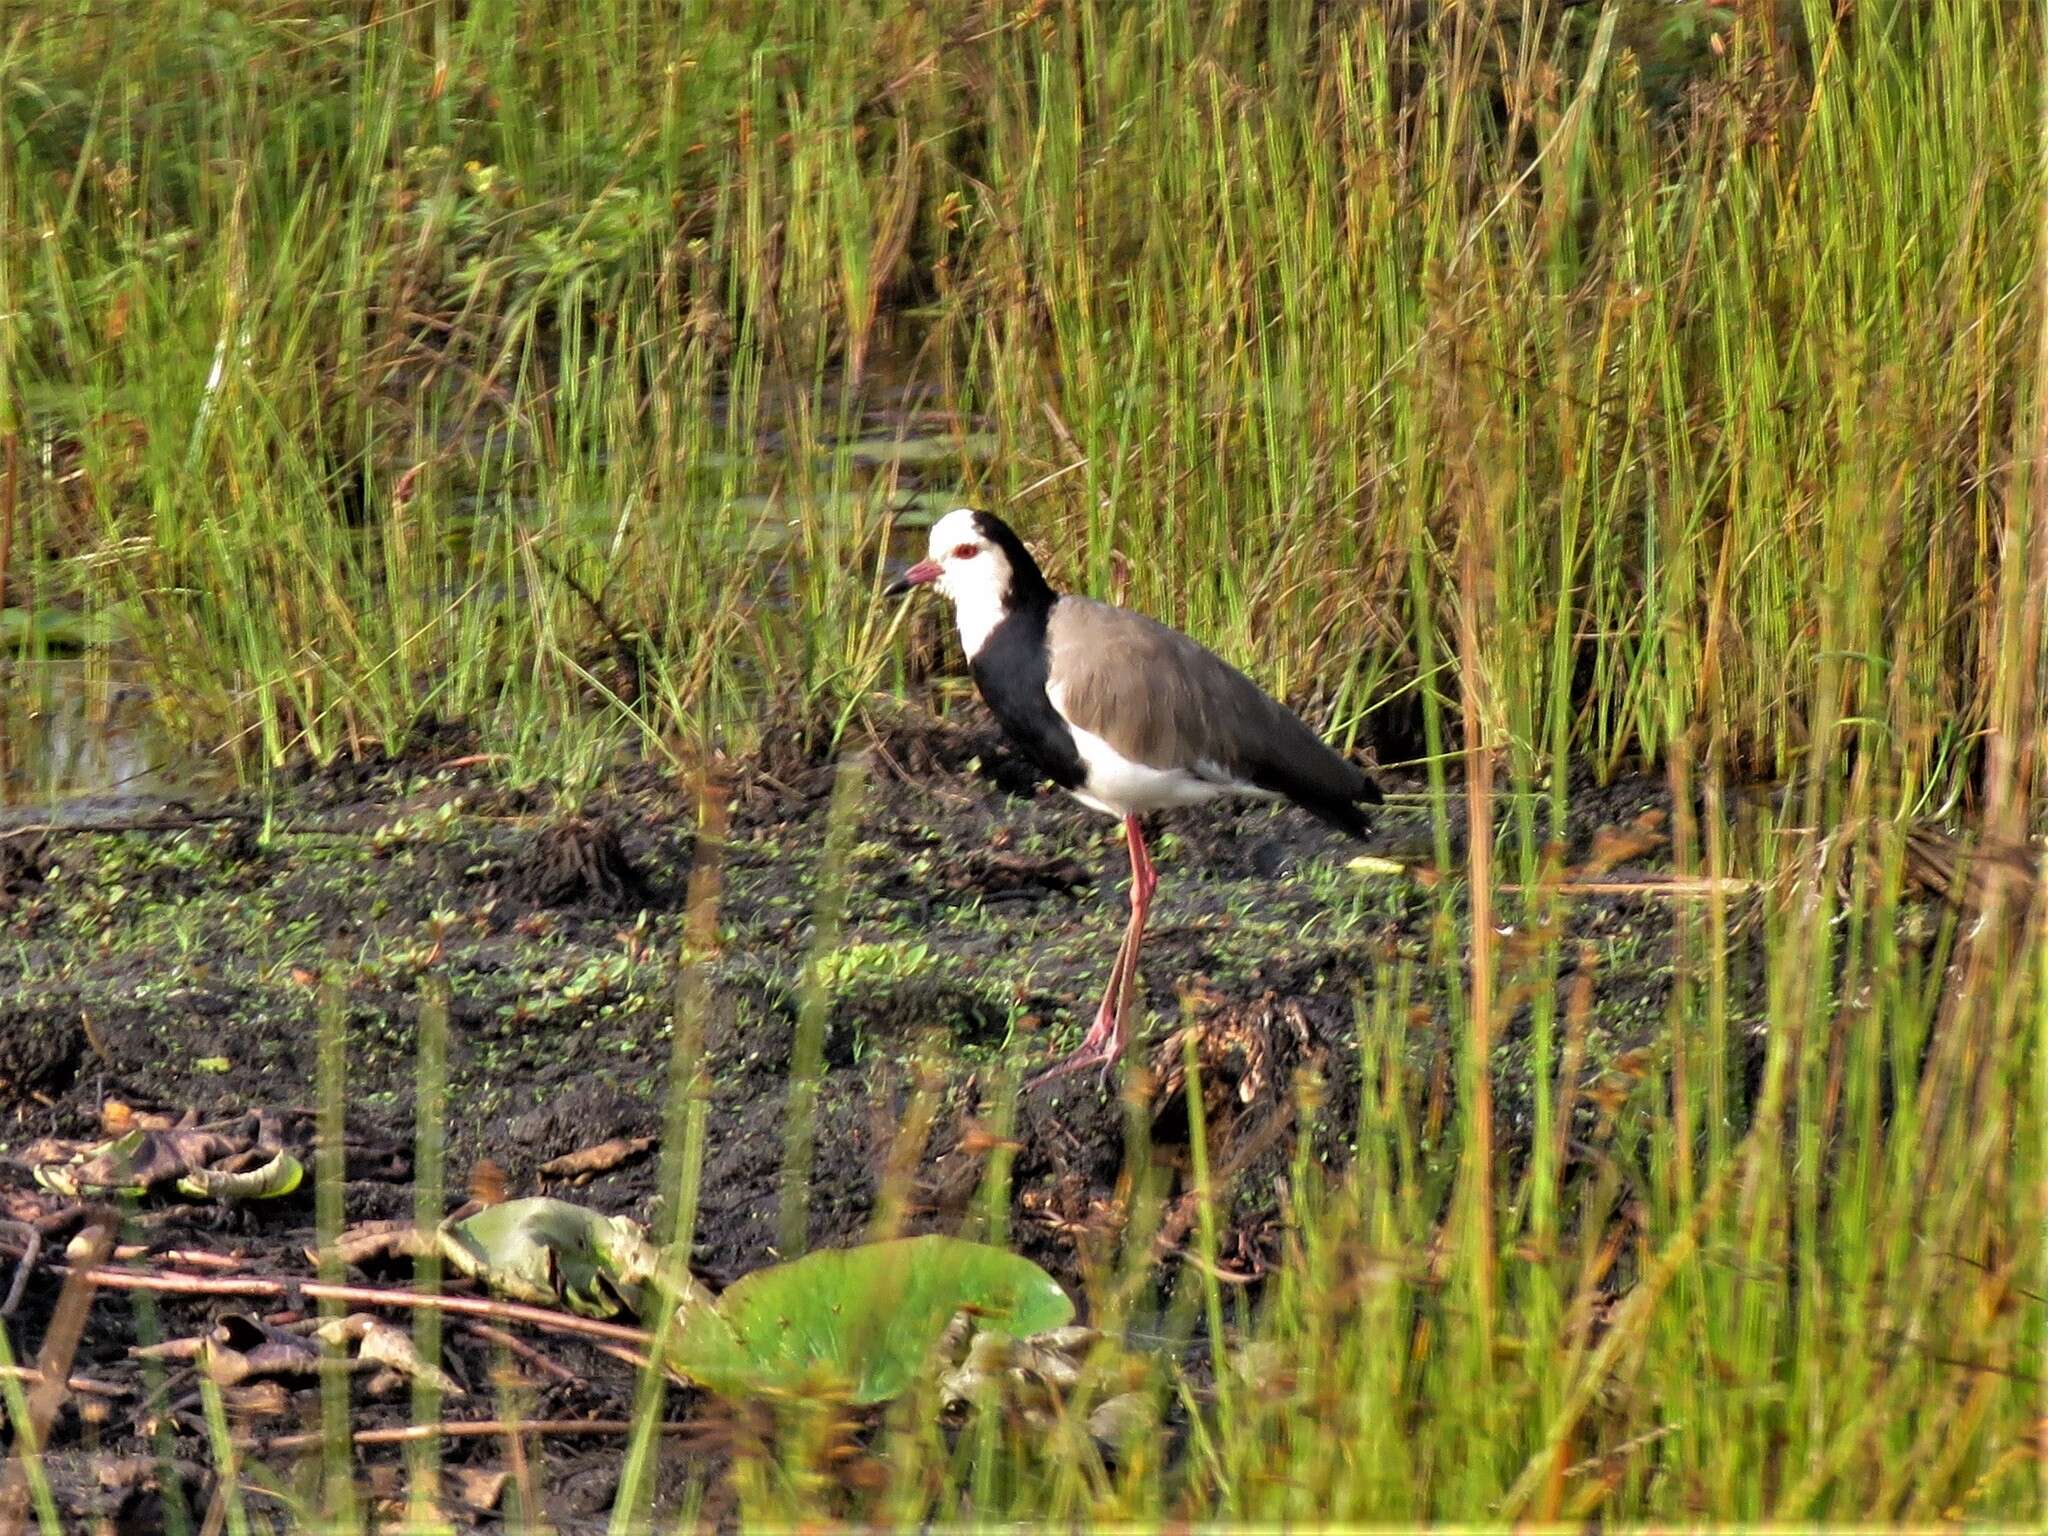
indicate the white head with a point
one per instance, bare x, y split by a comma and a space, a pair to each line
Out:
983, 569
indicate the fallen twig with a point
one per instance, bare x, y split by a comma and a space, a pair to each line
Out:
402, 1434
525, 1351
631, 1357
84, 1386
187, 822
186, 1258
31, 1249
53, 1366
359, 1295
1700, 886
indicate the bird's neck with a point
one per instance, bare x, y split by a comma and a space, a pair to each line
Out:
1028, 590
978, 613
1026, 596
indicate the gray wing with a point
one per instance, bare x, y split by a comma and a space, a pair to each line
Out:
1161, 699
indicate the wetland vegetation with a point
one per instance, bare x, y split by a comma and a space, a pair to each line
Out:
450, 455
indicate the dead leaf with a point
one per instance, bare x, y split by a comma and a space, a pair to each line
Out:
552, 1252
1117, 1419
1033, 1374
977, 1139
242, 1347
478, 1487
119, 1472
134, 1163
487, 1182
1633, 1063
1614, 846
373, 1240
47, 1149
602, 1158
379, 1343
258, 1400
1610, 1093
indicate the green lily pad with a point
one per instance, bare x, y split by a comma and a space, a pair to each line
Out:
863, 1319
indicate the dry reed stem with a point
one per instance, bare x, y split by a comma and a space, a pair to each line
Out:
360, 1295
400, 1434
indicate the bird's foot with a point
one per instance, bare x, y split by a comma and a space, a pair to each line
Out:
1099, 1048
1082, 1059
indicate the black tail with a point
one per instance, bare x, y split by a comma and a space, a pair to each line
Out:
1282, 756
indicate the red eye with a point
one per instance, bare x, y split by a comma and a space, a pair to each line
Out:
966, 551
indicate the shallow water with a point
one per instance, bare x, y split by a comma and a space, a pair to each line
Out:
80, 733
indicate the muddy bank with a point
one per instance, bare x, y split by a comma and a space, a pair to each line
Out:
184, 968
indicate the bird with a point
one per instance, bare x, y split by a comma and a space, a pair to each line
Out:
1123, 713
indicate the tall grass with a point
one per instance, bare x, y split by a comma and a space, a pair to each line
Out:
1813, 1297
1489, 380
356, 367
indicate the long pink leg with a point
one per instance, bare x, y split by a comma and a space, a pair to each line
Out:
1104, 1041
1144, 881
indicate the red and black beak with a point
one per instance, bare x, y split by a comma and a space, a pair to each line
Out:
922, 574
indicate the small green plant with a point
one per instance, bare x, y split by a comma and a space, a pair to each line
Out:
880, 964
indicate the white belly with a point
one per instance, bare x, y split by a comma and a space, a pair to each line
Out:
1119, 787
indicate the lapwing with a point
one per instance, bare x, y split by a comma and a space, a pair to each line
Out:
1125, 714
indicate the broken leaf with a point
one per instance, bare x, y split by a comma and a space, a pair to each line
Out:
979, 1377
373, 1240
242, 1347
267, 1181
555, 1252
134, 1163
243, 1157
379, 1343
479, 1487
1117, 1419
1034, 1373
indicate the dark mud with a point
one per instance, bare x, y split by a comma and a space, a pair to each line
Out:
183, 968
